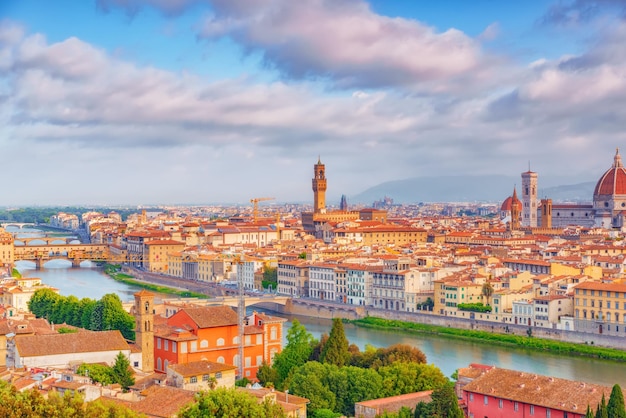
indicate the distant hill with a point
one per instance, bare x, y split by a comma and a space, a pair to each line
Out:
488, 188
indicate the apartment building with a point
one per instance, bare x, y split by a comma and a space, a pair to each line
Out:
293, 278
211, 333
323, 282
600, 307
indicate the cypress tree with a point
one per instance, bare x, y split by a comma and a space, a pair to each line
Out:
589, 414
615, 407
601, 412
335, 350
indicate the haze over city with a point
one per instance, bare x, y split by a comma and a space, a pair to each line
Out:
190, 101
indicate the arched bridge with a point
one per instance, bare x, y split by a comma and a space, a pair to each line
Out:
76, 253
233, 301
18, 225
17, 242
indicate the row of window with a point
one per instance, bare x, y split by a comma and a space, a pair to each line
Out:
601, 292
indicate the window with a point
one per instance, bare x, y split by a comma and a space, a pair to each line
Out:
193, 379
273, 333
204, 344
486, 400
516, 406
500, 403
220, 342
166, 345
205, 377
173, 346
158, 343
532, 409
183, 347
548, 413
194, 346
218, 375
220, 359
471, 397
259, 360
259, 339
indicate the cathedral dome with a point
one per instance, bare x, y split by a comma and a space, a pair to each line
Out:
506, 205
613, 182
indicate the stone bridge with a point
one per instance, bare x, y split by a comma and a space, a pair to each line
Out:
18, 242
233, 301
18, 225
76, 253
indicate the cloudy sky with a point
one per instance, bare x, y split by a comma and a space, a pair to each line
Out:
199, 101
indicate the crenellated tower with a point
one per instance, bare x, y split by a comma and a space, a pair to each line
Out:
319, 187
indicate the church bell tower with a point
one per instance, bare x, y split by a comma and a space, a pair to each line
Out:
319, 187
144, 328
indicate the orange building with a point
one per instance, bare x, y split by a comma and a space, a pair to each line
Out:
211, 333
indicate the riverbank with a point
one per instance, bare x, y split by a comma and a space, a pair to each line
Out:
528, 342
114, 272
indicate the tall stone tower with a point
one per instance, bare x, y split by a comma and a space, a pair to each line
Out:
144, 328
343, 204
516, 209
529, 199
546, 213
319, 187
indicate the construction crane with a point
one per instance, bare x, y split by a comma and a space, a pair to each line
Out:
255, 208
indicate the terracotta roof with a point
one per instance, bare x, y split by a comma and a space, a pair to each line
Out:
394, 403
80, 342
196, 368
162, 401
212, 316
550, 392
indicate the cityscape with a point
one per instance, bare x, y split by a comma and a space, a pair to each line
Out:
322, 209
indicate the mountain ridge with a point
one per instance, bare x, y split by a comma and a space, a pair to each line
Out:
483, 188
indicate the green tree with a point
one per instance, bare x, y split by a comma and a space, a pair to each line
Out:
310, 381
363, 385
100, 373
113, 316
444, 403
86, 307
105, 408
122, 373
397, 353
267, 375
615, 408
296, 352
422, 410
601, 412
317, 348
335, 350
42, 302
325, 413
487, 291
229, 403
401, 378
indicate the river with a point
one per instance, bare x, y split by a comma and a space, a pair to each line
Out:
446, 353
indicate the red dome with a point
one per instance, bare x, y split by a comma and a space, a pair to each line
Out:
506, 205
613, 182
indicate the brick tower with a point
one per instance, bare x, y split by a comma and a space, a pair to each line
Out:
144, 328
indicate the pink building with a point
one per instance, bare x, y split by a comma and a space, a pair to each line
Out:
500, 393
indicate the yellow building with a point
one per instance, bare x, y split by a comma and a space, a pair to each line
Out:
600, 307
387, 234
558, 269
7, 254
449, 293
157, 254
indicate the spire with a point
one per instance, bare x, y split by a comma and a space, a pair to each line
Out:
319, 159
617, 161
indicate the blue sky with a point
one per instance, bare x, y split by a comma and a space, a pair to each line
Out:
199, 101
